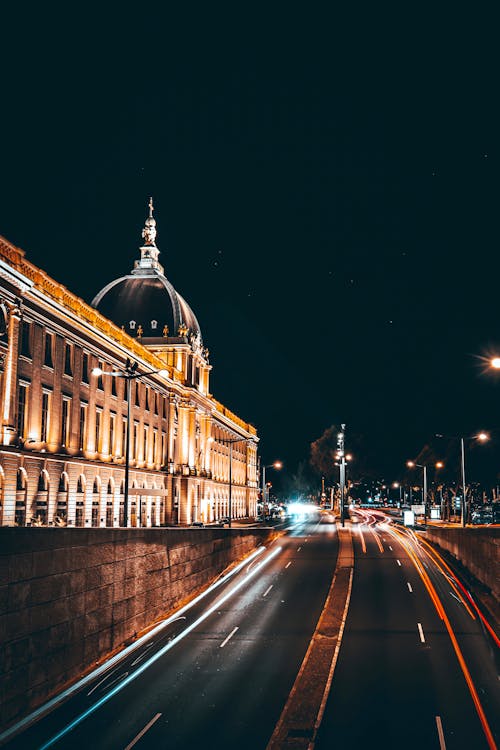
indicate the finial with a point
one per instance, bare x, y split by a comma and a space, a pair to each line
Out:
149, 231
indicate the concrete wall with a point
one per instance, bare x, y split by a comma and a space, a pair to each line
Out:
69, 597
477, 549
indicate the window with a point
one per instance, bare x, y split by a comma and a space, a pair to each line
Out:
98, 419
66, 403
99, 384
155, 444
44, 428
112, 421
135, 446
145, 446
49, 343
148, 396
135, 385
83, 426
26, 339
68, 360
124, 437
85, 368
113, 386
22, 402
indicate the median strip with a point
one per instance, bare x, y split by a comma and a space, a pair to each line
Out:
303, 711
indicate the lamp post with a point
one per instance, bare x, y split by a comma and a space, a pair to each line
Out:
128, 374
481, 436
274, 465
341, 457
412, 464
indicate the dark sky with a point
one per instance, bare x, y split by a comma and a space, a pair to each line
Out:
326, 196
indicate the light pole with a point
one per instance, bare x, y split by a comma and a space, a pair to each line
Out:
274, 465
482, 436
128, 374
341, 458
396, 485
412, 464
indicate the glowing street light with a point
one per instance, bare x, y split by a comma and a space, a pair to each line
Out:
275, 465
481, 437
128, 374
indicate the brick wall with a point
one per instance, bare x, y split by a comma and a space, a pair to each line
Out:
69, 597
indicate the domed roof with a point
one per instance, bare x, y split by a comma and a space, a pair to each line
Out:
144, 303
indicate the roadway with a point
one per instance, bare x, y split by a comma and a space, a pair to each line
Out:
415, 664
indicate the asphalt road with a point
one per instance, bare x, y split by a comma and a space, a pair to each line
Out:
416, 668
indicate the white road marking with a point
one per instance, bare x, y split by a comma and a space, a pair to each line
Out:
233, 631
390, 547
455, 597
298, 549
442, 743
398, 562
143, 731
409, 586
288, 564
422, 636
266, 592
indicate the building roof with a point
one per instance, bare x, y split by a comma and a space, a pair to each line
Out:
144, 302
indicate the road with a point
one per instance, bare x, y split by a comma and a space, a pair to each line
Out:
415, 665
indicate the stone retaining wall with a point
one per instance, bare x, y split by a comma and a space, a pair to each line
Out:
69, 597
477, 549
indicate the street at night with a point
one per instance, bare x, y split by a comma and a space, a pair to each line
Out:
415, 667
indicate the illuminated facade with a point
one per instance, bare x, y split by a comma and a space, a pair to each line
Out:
64, 429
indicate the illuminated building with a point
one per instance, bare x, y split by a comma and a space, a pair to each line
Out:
63, 430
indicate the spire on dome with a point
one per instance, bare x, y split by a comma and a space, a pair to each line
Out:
149, 251
149, 231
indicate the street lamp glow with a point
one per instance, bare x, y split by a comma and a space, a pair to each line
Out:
495, 362
483, 436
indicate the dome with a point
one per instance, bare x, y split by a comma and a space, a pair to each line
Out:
144, 303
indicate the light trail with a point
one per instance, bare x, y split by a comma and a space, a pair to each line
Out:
152, 659
441, 611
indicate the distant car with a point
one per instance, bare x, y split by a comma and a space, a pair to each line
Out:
197, 523
224, 521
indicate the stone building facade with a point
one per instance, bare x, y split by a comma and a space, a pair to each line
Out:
78, 380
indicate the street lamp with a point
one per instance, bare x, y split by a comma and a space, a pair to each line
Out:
229, 442
274, 465
128, 374
395, 486
412, 464
482, 437
342, 458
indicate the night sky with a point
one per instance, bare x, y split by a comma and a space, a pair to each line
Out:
326, 194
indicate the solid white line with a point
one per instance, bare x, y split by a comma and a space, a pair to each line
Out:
442, 743
288, 564
233, 631
422, 636
398, 562
409, 586
143, 731
266, 592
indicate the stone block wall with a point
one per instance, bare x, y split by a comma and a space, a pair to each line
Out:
70, 597
477, 549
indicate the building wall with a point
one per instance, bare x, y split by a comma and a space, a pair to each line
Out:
179, 432
69, 597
